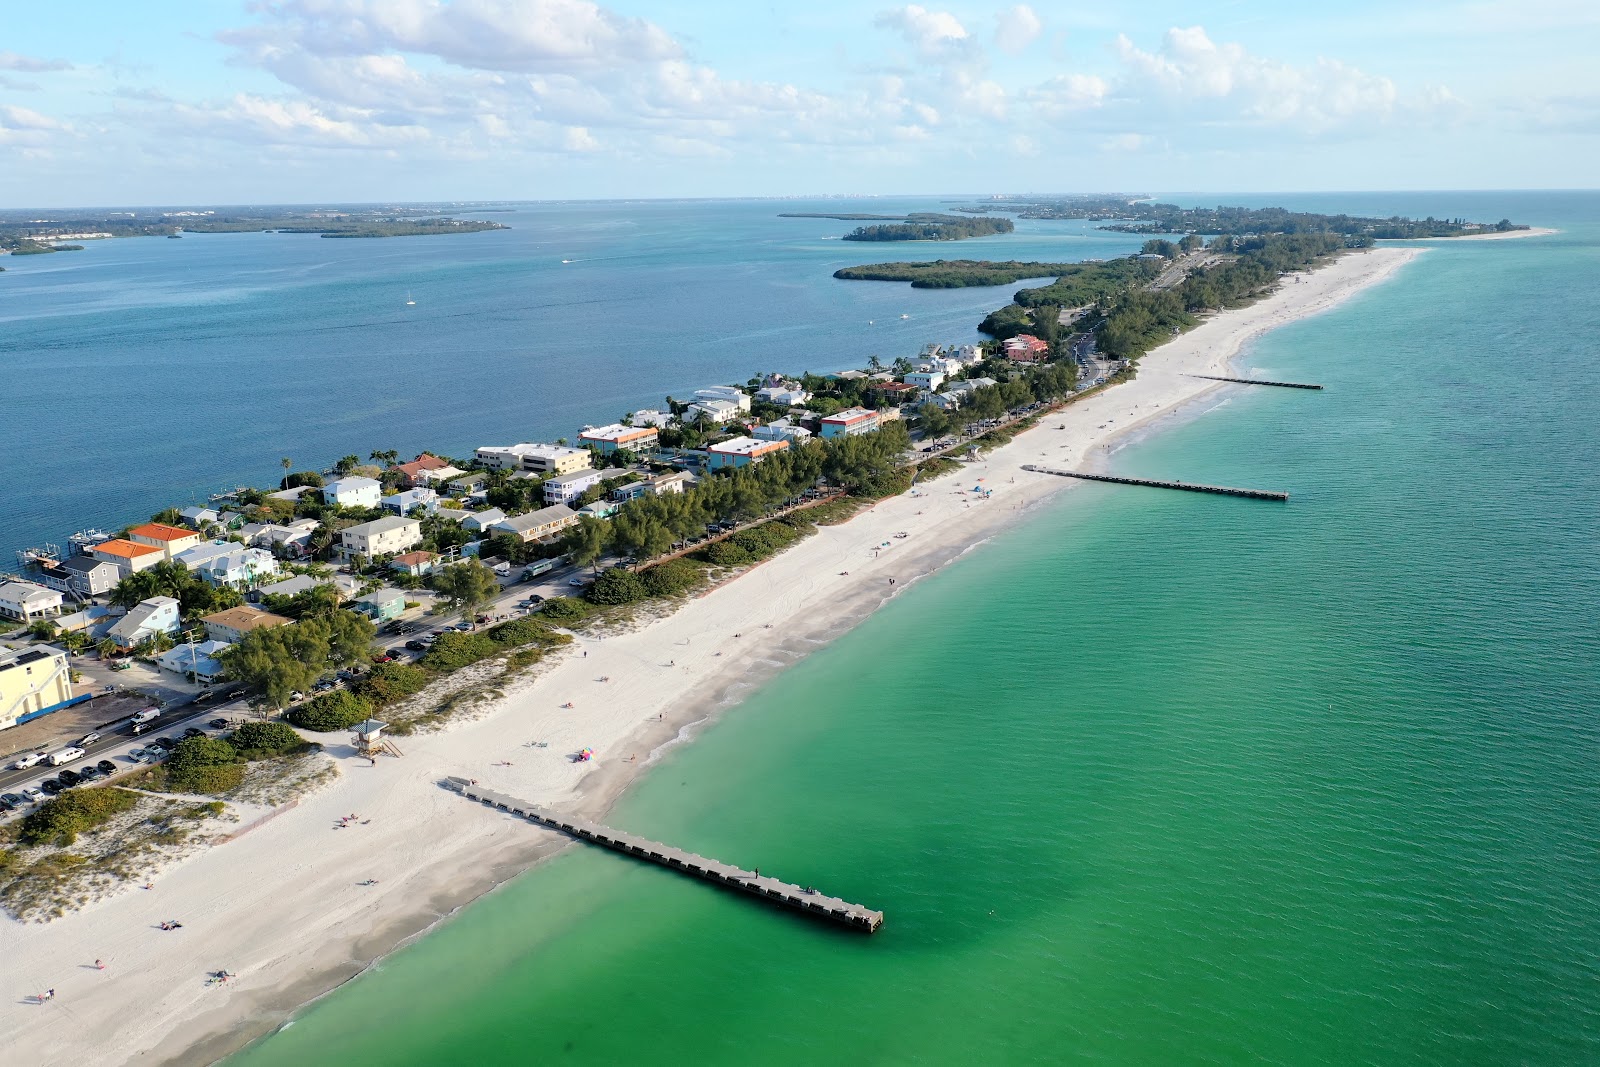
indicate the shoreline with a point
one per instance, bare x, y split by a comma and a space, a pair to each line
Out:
280, 906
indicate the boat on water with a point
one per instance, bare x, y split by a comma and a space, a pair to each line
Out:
410, 302
905, 316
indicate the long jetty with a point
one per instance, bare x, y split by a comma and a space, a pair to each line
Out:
1257, 381
1189, 487
805, 900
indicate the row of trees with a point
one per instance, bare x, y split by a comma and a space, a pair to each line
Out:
282, 660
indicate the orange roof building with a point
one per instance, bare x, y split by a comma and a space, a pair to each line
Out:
169, 540
127, 556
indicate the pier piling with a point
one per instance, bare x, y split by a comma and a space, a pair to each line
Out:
1256, 381
1190, 487
805, 900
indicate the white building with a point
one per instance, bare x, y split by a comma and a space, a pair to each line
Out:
542, 459
387, 536
607, 439
926, 380
229, 563
407, 500
25, 601
717, 411
565, 488
538, 524
651, 417
788, 394
731, 393
353, 492
784, 429
480, 521
201, 662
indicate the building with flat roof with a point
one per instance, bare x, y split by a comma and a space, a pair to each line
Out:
169, 539
353, 492
34, 681
538, 458
742, 451
199, 662
607, 439
849, 422
565, 488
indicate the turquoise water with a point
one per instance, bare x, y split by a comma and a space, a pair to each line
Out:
1154, 778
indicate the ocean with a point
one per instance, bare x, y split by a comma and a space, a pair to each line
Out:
1152, 778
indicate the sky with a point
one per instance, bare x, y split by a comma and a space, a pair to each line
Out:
103, 102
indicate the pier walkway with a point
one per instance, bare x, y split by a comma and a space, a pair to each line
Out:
1191, 487
1257, 381
770, 889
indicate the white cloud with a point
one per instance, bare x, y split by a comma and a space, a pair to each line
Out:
20, 118
253, 119
1063, 96
29, 64
1016, 28
1190, 70
935, 34
1124, 142
578, 139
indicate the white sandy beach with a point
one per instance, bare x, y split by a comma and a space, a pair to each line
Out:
281, 906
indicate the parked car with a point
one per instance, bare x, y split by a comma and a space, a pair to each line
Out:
139, 755
218, 724
236, 694
416, 646
194, 731
33, 793
16, 800
32, 759
6, 805
464, 627
165, 742
88, 739
105, 766
68, 779
91, 774
50, 786
577, 582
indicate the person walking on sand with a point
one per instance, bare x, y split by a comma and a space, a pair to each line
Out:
99, 965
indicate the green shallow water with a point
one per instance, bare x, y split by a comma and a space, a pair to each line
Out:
1154, 778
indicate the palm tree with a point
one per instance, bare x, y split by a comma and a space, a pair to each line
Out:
106, 647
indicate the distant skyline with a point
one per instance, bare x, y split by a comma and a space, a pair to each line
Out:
294, 101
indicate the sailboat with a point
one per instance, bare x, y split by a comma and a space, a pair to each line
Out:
410, 302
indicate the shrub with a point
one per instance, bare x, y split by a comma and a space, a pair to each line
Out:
389, 682
520, 632
727, 554
566, 609
203, 765
672, 578
617, 586
338, 710
453, 651
263, 740
61, 819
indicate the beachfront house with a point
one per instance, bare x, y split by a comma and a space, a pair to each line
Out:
408, 500
669, 482
199, 517
545, 522
849, 422
784, 393
353, 492
25, 602
82, 576
300, 583
231, 624
926, 380
387, 536
479, 521
171, 540
145, 621
538, 458
741, 452
198, 662
381, 605
415, 563
599, 509
127, 556
413, 473
565, 488
607, 439
467, 484
731, 393
34, 681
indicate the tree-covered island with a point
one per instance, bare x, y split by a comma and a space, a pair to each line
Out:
917, 226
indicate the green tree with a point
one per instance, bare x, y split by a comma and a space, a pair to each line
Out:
464, 586
585, 543
262, 740
617, 585
106, 647
338, 710
203, 765
347, 464
168, 517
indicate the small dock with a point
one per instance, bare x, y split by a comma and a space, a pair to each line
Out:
1188, 487
771, 890
1257, 381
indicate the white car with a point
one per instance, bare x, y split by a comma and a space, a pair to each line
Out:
32, 759
33, 793
575, 582
139, 755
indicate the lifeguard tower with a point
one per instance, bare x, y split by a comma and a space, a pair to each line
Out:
370, 742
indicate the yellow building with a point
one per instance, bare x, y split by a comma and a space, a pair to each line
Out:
34, 681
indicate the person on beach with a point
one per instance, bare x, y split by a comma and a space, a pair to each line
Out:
99, 965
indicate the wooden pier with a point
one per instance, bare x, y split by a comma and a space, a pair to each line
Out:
1256, 381
1190, 487
805, 900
